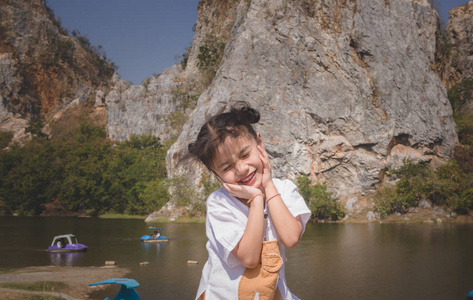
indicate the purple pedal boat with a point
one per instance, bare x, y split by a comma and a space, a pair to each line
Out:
66, 243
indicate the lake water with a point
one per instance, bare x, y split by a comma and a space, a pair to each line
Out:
332, 261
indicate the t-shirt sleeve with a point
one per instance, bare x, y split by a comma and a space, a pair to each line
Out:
225, 228
295, 203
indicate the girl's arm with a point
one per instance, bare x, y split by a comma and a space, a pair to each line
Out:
248, 250
288, 227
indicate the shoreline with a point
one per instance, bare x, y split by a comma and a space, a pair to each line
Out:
419, 215
77, 280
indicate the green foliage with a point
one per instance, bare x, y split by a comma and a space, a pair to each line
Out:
460, 94
449, 187
176, 119
5, 138
413, 185
321, 202
84, 172
210, 55
385, 200
185, 57
183, 99
35, 127
465, 129
155, 194
210, 184
183, 191
37, 286
41, 297
65, 51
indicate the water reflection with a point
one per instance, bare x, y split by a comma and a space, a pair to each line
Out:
66, 258
149, 248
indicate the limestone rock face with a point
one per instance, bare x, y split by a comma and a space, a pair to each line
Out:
161, 104
42, 68
458, 63
339, 85
154, 107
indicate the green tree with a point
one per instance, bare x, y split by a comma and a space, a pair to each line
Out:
320, 201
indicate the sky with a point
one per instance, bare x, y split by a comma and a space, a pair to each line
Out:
143, 37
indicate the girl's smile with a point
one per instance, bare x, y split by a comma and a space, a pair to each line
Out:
248, 180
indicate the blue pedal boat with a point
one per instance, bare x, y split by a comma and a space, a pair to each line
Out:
127, 290
66, 243
156, 237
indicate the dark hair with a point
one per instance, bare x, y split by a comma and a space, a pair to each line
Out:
233, 124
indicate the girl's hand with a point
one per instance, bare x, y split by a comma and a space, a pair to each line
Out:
241, 191
267, 176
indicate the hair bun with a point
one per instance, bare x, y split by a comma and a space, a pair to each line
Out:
245, 113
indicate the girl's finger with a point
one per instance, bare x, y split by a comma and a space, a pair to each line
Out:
225, 185
262, 151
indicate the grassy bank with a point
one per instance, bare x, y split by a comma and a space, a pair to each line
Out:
37, 286
121, 216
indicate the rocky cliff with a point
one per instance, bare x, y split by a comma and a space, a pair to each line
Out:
456, 58
43, 70
457, 63
161, 104
346, 89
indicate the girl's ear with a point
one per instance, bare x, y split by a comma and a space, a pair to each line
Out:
259, 140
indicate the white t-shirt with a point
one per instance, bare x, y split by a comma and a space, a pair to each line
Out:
225, 224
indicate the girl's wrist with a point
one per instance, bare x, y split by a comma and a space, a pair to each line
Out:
269, 188
270, 191
254, 197
269, 198
267, 184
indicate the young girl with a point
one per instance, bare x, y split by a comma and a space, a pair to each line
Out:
252, 218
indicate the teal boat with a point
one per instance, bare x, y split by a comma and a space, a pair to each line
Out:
127, 290
156, 237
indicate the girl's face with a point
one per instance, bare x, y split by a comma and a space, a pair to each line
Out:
238, 162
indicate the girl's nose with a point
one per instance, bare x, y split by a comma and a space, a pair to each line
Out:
241, 168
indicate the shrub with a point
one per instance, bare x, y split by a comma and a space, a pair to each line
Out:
5, 138
415, 183
460, 94
183, 193
385, 200
210, 55
412, 185
185, 57
465, 129
321, 202
64, 51
35, 127
449, 187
